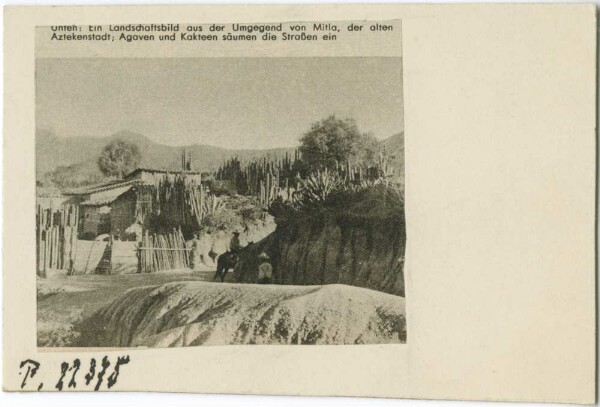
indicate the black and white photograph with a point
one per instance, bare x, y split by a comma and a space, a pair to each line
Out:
219, 201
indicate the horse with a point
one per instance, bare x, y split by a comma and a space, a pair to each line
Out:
225, 262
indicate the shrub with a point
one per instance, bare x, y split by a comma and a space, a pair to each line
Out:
332, 141
326, 193
221, 187
118, 158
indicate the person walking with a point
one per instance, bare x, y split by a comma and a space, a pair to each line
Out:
265, 269
194, 254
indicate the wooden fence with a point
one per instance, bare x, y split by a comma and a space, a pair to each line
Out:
56, 238
162, 252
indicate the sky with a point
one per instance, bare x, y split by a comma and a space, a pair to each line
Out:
242, 103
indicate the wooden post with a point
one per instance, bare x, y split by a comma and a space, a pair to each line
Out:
110, 251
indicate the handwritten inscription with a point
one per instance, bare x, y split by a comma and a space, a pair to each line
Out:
29, 368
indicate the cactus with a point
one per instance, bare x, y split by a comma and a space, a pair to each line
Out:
319, 185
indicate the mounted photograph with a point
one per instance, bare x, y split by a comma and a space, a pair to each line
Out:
220, 201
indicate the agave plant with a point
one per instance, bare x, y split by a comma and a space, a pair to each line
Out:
361, 185
212, 204
319, 185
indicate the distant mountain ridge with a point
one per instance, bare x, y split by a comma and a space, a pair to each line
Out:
76, 157
53, 151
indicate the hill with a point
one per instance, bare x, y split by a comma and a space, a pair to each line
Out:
73, 159
395, 147
70, 162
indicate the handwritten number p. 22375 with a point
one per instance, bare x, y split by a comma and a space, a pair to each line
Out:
29, 368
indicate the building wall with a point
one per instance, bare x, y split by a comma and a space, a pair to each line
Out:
145, 196
124, 205
123, 213
94, 221
52, 202
153, 178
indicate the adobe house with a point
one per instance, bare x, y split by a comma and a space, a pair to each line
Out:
94, 206
115, 206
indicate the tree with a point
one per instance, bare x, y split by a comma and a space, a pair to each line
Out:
118, 158
334, 141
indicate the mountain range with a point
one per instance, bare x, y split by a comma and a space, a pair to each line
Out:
75, 158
